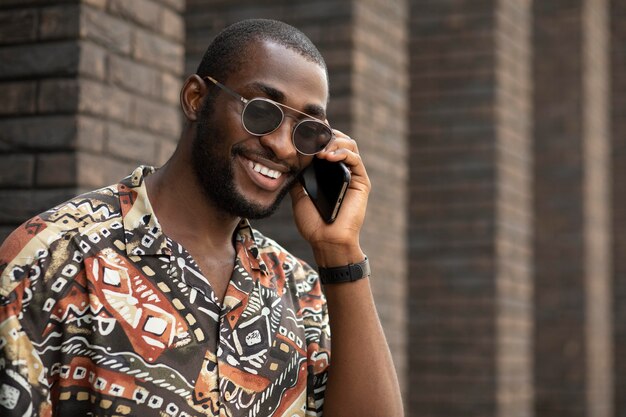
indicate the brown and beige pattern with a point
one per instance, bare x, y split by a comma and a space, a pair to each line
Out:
102, 314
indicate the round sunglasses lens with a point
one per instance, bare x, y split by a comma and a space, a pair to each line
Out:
261, 117
310, 136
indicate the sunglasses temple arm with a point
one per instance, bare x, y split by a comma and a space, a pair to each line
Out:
226, 89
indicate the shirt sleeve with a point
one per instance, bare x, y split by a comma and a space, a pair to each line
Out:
24, 389
317, 330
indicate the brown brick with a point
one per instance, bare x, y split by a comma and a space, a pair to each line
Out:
17, 97
56, 170
100, 4
97, 170
18, 26
58, 96
91, 133
57, 58
172, 25
132, 76
572, 340
157, 117
59, 22
93, 59
17, 206
170, 88
110, 32
132, 144
16, 170
105, 100
161, 52
177, 5
145, 13
49, 132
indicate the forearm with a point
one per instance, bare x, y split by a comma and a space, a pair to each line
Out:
362, 380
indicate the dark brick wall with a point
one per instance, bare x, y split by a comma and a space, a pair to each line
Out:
617, 99
90, 90
470, 284
572, 218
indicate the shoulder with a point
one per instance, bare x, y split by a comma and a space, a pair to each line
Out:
53, 231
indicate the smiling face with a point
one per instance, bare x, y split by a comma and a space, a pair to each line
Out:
248, 175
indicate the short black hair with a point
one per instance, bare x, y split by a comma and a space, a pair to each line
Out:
229, 50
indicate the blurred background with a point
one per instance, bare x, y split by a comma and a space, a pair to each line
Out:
493, 132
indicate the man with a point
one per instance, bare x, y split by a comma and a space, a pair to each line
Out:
154, 296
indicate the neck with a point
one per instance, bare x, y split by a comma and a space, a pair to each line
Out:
184, 212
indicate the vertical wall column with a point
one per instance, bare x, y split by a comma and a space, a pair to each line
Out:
364, 44
470, 286
90, 90
379, 123
514, 216
618, 174
572, 215
39, 50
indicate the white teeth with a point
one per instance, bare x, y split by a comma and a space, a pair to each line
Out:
264, 170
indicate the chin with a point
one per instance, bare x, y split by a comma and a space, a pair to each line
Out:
254, 209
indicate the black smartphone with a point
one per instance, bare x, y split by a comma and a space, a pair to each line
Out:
326, 184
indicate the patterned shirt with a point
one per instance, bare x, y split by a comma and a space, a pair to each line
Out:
103, 314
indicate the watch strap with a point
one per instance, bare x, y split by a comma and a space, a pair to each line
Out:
345, 273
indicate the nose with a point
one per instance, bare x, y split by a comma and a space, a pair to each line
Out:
279, 141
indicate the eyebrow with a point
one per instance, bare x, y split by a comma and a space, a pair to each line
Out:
279, 97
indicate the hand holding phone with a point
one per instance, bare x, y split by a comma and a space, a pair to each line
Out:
326, 184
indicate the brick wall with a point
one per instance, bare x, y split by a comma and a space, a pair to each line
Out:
470, 282
572, 225
92, 90
597, 206
493, 135
514, 216
378, 106
367, 88
617, 99
451, 210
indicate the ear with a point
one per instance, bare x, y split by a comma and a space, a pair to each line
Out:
191, 95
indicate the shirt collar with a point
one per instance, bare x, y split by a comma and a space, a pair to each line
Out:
143, 234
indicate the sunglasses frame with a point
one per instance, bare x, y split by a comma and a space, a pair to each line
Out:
246, 101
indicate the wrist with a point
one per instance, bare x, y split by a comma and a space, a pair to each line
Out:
328, 256
346, 273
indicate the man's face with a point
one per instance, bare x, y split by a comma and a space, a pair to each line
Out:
247, 175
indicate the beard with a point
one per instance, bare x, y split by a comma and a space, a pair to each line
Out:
215, 173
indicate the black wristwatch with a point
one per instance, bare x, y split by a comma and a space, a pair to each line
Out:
346, 273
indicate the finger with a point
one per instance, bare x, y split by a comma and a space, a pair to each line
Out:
352, 160
342, 141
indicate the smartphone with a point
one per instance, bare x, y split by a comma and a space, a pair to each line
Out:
326, 184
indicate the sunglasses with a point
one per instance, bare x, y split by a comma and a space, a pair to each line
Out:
262, 116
